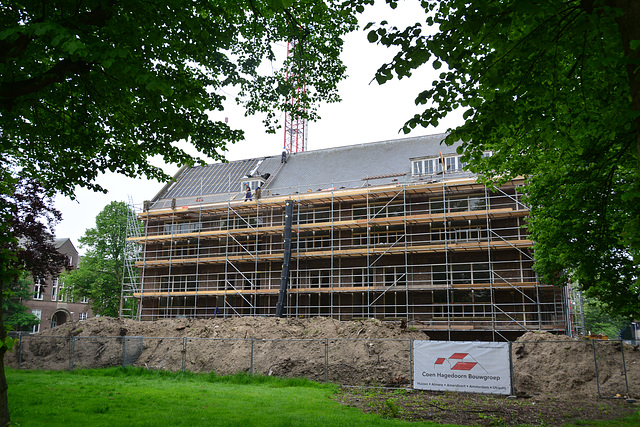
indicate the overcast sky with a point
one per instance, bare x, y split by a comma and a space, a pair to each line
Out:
368, 113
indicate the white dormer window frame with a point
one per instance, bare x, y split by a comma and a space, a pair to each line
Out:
433, 165
454, 163
428, 166
253, 184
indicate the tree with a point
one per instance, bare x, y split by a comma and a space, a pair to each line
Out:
99, 274
27, 219
102, 85
15, 315
552, 89
597, 321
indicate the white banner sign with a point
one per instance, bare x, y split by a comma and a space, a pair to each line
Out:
472, 367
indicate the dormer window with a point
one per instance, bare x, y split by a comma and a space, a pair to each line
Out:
433, 165
252, 183
429, 166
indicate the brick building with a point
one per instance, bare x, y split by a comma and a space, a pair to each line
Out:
50, 301
395, 230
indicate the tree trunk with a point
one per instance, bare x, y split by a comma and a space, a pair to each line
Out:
5, 419
629, 26
4, 401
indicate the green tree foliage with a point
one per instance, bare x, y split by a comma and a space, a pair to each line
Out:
14, 313
598, 321
552, 89
27, 218
99, 274
101, 85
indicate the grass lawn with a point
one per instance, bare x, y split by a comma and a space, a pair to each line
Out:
138, 397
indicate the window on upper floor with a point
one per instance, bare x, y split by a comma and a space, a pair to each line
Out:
38, 314
473, 202
454, 163
429, 166
62, 291
433, 165
183, 227
378, 210
54, 290
38, 290
235, 221
178, 283
313, 215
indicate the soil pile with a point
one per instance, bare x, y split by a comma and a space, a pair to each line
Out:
367, 352
557, 365
363, 352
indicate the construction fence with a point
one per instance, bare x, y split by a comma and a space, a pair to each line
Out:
603, 368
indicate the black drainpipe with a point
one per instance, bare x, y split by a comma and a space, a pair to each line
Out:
284, 280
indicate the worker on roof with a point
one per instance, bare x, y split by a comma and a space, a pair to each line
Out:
248, 197
284, 155
258, 193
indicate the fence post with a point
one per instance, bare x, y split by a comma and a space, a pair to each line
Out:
513, 380
624, 366
20, 351
595, 362
72, 341
184, 354
124, 352
411, 362
251, 368
326, 360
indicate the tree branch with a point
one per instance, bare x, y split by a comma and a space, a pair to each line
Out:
11, 91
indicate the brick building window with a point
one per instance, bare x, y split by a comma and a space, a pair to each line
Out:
38, 314
54, 290
38, 290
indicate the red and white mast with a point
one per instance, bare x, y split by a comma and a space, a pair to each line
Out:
295, 129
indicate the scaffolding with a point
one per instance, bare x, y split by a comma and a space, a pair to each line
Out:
131, 275
442, 256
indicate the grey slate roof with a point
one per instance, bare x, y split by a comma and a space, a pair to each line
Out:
59, 241
352, 166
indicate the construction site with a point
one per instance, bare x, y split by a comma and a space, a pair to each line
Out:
394, 230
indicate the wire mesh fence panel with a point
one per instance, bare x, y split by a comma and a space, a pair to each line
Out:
41, 352
132, 350
290, 358
370, 362
96, 352
161, 353
222, 356
613, 377
554, 367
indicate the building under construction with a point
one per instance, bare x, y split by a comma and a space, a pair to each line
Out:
394, 230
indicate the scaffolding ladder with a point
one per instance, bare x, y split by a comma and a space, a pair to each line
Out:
131, 276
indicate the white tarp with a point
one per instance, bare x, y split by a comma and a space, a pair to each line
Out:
472, 367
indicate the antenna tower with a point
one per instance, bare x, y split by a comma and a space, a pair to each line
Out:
295, 129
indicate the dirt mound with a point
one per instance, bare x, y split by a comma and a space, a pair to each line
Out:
357, 352
240, 328
363, 352
561, 366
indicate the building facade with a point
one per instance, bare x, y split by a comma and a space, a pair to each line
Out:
51, 302
395, 230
